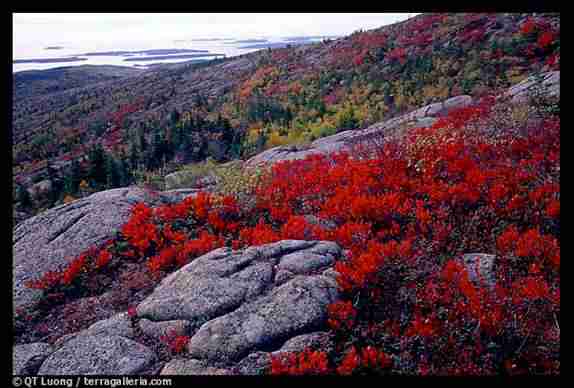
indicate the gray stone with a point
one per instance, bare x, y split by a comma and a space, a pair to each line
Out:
480, 267
198, 297
240, 302
27, 358
192, 368
215, 283
98, 355
119, 324
49, 240
175, 180
304, 263
547, 83
330, 272
318, 341
255, 364
346, 140
425, 122
297, 306
455, 103
433, 109
283, 276
160, 329
181, 194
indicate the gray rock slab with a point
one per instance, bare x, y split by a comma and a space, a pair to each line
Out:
49, 240
480, 267
216, 283
160, 329
318, 341
119, 324
192, 368
98, 355
255, 364
305, 262
237, 302
27, 358
295, 307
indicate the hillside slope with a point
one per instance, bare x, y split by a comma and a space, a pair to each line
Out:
297, 94
99, 132
433, 252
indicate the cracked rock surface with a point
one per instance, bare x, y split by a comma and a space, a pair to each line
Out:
236, 307
230, 303
235, 303
49, 240
27, 358
98, 355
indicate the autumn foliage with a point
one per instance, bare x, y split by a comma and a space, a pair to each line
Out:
405, 213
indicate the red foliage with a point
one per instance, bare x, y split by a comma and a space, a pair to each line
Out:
368, 360
176, 343
132, 313
304, 363
545, 39
342, 316
104, 258
404, 213
398, 54
528, 27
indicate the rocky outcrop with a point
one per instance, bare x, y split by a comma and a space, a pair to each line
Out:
481, 268
236, 302
192, 367
259, 363
231, 304
27, 358
549, 84
98, 354
347, 139
166, 328
40, 189
48, 241
545, 83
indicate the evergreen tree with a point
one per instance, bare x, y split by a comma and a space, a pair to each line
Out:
113, 178
73, 178
173, 118
134, 157
23, 197
142, 143
97, 166
125, 176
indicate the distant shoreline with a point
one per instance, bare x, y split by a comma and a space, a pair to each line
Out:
145, 52
161, 57
50, 60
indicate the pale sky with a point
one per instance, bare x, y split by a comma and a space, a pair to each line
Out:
54, 28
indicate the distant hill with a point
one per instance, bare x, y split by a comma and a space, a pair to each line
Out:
236, 107
34, 83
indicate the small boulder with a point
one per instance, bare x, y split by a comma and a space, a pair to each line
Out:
27, 358
480, 267
192, 368
160, 329
98, 355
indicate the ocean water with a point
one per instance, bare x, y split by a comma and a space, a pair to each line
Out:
219, 33
228, 47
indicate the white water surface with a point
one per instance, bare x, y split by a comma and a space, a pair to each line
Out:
78, 34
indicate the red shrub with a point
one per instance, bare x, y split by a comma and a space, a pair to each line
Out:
176, 343
304, 363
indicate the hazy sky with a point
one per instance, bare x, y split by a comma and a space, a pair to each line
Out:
54, 28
